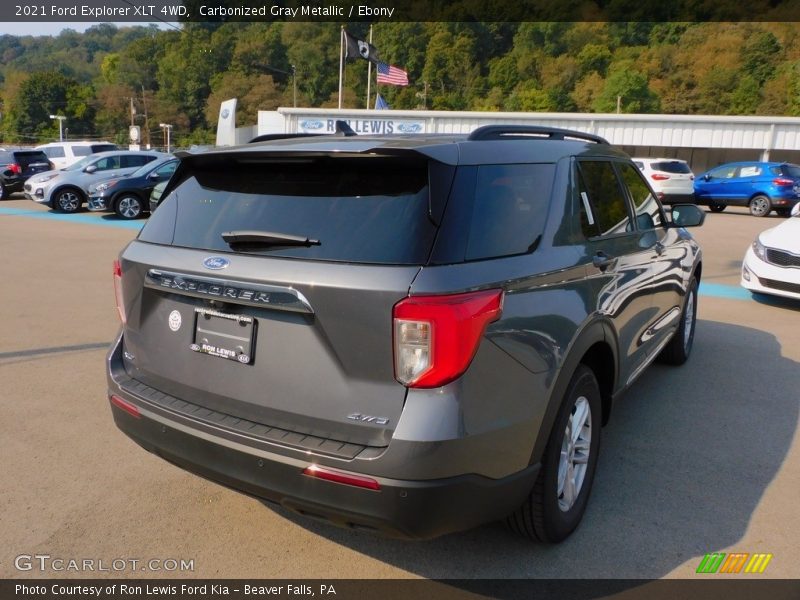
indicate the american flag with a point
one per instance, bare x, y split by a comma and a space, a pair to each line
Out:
391, 75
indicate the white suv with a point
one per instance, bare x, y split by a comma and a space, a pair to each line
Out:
671, 178
63, 154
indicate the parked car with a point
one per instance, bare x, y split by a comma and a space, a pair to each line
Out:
66, 190
407, 335
772, 264
761, 186
671, 178
63, 154
16, 166
129, 196
156, 194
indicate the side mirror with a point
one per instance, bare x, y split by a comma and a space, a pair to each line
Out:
154, 176
795, 212
706, 177
90, 169
687, 215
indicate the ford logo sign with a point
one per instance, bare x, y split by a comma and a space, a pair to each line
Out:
311, 124
409, 127
216, 263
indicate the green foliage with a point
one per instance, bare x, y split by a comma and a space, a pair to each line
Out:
181, 76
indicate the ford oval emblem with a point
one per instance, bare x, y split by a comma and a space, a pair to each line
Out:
313, 125
216, 263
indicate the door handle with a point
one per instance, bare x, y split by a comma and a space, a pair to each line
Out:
601, 260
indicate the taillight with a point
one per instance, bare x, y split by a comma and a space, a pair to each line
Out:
659, 176
783, 181
15, 168
118, 292
436, 337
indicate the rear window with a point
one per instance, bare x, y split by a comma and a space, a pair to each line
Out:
364, 210
791, 171
672, 166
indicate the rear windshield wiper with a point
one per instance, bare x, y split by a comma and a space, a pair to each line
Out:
266, 238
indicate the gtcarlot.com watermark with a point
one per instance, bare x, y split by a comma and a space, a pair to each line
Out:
45, 563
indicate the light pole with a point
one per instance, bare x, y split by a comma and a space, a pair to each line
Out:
61, 120
165, 127
294, 86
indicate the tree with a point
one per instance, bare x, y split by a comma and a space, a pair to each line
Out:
631, 87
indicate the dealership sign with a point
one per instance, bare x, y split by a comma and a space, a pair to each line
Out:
362, 126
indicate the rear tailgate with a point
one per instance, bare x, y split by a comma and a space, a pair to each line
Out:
298, 338
32, 162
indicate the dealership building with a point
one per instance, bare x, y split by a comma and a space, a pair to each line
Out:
702, 141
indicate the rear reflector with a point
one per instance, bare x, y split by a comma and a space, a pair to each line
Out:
341, 477
125, 405
120, 299
659, 176
436, 337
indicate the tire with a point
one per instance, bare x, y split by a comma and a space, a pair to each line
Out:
128, 207
68, 200
783, 212
551, 513
716, 208
677, 351
3, 191
760, 206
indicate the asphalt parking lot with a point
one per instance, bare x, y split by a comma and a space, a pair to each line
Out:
696, 459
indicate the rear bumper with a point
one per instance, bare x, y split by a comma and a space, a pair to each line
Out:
413, 509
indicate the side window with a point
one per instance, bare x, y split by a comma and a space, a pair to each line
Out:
134, 161
81, 150
605, 210
722, 172
749, 171
54, 152
645, 206
509, 210
167, 170
109, 162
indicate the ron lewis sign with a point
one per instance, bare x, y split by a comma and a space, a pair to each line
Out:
376, 126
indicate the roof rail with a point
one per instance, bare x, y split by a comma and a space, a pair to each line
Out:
497, 132
269, 137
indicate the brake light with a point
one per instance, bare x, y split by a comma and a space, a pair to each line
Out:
783, 181
436, 337
15, 168
659, 176
341, 477
118, 292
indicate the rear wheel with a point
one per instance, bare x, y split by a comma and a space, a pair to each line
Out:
716, 208
3, 191
558, 499
128, 207
68, 200
760, 206
677, 351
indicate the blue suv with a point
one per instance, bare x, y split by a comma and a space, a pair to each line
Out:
761, 186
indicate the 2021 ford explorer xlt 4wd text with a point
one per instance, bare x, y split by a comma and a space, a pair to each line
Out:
413, 335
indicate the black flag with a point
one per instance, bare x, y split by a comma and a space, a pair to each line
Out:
357, 48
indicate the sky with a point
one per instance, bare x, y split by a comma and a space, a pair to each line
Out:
55, 28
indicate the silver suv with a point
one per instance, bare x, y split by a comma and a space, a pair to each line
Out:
411, 335
66, 190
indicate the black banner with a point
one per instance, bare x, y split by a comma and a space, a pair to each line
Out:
406, 589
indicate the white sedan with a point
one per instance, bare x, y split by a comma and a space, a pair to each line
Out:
772, 263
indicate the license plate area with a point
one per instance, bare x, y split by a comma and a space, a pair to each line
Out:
222, 335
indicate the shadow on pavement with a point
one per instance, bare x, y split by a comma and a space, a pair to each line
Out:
684, 462
778, 301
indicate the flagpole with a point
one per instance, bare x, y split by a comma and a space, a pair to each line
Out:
341, 64
369, 69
